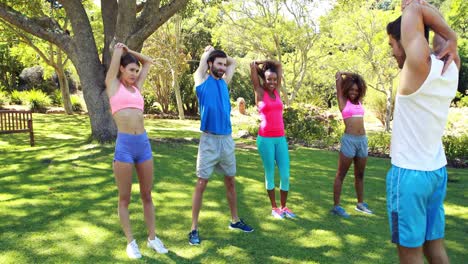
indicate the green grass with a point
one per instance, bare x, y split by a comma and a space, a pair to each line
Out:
58, 204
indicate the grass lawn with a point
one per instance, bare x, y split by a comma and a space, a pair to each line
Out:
58, 204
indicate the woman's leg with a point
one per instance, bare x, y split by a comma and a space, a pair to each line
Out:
145, 177
282, 160
123, 177
343, 167
266, 149
359, 167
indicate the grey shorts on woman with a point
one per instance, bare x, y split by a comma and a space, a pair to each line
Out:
354, 146
216, 152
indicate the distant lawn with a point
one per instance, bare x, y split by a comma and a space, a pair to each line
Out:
58, 204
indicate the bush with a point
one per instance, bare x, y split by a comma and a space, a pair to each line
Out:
4, 100
150, 103
76, 103
56, 97
312, 125
37, 100
17, 97
456, 148
379, 143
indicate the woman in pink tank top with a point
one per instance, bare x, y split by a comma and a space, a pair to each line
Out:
271, 141
124, 81
350, 89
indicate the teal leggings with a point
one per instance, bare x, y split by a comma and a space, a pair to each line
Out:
274, 149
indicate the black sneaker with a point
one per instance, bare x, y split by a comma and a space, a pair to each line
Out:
193, 238
241, 226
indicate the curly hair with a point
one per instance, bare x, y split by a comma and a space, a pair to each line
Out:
267, 66
349, 80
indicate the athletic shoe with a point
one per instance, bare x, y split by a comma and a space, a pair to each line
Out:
277, 213
241, 226
340, 211
288, 213
133, 251
193, 238
157, 245
363, 208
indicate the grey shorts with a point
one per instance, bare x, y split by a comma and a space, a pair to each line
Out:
354, 146
216, 152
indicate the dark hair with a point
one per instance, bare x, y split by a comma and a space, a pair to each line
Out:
394, 29
127, 59
267, 66
216, 54
348, 82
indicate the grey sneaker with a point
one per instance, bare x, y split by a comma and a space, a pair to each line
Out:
340, 211
363, 208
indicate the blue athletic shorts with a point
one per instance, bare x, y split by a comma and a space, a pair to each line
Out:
415, 205
354, 146
132, 148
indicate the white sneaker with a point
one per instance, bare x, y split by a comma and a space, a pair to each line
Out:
157, 245
133, 251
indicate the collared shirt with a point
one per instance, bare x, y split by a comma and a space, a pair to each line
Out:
214, 106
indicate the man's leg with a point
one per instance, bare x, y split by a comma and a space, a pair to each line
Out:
229, 182
435, 253
197, 201
410, 255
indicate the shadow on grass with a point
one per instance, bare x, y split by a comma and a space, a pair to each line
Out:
59, 204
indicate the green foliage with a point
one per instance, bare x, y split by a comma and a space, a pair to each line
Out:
461, 100
379, 143
150, 103
17, 97
4, 99
312, 125
76, 103
456, 147
56, 98
37, 100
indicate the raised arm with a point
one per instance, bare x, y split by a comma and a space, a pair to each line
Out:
231, 67
339, 90
146, 63
113, 71
279, 68
200, 74
254, 76
414, 17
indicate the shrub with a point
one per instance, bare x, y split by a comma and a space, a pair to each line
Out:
379, 143
4, 100
37, 100
456, 147
56, 97
17, 97
76, 103
312, 125
150, 103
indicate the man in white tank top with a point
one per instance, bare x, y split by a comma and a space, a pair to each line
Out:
416, 183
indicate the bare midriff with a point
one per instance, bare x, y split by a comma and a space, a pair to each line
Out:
129, 121
355, 126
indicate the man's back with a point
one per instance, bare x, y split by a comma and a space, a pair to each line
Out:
420, 119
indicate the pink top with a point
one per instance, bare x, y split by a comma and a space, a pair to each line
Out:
271, 116
126, 99
352, 110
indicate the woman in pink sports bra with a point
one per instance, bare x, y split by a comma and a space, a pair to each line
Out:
124, 82
350, 89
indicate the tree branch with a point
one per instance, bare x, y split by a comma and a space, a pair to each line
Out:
43, 27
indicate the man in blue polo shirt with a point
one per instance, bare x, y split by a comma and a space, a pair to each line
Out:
217, 148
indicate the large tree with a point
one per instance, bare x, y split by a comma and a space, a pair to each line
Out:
124, 21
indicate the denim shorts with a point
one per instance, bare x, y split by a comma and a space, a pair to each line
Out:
415, 205
216, 153
132, 148
354, 146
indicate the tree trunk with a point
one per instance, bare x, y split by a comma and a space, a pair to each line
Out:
175, 79
63, 83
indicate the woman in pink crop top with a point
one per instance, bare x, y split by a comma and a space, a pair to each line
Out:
124, 82
350, 89
271, 141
